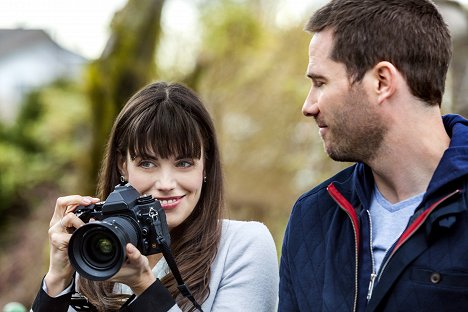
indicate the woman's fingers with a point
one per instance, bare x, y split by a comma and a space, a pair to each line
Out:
133, 255
69, 221
60, 240
136, 271
60, 270
66, 204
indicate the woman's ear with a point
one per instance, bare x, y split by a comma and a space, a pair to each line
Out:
387, 78
122, 164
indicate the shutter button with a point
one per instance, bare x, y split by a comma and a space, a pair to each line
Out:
435, 278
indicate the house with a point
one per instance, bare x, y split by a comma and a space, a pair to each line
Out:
29, 59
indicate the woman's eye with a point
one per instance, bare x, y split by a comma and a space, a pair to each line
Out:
146, 164
184, 163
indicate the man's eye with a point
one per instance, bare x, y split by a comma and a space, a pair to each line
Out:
318, 84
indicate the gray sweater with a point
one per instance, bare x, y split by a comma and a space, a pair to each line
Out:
244, 274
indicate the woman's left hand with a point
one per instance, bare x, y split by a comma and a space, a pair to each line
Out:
135, 272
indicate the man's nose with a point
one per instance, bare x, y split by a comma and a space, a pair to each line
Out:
310, 107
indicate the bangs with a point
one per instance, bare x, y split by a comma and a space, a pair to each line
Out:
164, 131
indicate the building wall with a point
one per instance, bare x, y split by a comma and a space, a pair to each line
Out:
32, 67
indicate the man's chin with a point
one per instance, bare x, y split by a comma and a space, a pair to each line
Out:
340, 156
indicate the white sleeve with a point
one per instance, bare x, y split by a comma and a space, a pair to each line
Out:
250, 277
65, 291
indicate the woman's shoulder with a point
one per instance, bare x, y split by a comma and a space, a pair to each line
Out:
247, 229
246, 267
245, 235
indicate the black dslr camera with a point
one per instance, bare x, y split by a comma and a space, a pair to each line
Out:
97, 249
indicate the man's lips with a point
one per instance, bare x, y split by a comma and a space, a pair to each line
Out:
322, 128
169, 202
320, 123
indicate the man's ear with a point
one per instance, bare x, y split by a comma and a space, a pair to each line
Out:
387, 78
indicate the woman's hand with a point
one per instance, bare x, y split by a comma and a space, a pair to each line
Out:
60, 271
135, 272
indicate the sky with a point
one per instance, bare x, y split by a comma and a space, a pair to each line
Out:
83, 25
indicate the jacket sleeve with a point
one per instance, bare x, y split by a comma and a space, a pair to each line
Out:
45, 303
155, 298
287, 299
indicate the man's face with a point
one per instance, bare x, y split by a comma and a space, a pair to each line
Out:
349, 123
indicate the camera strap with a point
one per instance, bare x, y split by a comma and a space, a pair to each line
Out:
167, 253
184, 290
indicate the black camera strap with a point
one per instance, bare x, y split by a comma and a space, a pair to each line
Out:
184, 290
167, 253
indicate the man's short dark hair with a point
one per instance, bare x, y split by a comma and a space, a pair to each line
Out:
411, 34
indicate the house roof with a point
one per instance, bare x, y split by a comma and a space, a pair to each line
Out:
12, 40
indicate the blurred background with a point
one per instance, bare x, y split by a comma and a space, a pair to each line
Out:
67, 67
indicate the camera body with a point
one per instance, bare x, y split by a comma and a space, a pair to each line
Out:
97, 249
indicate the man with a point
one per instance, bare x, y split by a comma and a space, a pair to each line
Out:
389, 233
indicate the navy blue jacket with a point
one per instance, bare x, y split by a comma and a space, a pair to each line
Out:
326, 261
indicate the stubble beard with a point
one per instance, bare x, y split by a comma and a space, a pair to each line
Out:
357, 130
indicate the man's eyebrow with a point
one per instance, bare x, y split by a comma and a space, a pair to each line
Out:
314, 76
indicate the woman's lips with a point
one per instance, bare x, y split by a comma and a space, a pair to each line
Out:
169, 202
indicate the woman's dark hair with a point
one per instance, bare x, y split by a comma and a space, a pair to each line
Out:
166, 120
410, 34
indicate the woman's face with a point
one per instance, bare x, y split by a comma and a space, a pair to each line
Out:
175, 182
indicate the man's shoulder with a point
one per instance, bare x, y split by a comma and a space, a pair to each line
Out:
344, 177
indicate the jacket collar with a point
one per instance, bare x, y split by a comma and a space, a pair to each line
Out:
452, 167
454, 163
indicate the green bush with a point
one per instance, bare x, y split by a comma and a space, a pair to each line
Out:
44, 147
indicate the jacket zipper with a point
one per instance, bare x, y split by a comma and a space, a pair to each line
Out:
413, 228
349, 209
373, 274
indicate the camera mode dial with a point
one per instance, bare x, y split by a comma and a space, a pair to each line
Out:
145, 199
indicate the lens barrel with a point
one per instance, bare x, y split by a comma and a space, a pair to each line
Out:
97, 249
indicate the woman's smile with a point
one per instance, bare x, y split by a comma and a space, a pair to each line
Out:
168, 203
176, 182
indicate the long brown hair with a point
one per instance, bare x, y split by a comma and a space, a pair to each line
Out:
162, 120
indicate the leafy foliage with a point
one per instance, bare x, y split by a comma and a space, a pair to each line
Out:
41, 147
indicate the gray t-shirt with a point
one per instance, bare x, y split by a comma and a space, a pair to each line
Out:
388, 222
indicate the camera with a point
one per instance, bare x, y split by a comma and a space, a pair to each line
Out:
97, 249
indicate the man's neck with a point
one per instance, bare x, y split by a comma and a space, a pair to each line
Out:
411, 153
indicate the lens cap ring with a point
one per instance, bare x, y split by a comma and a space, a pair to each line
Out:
97, 249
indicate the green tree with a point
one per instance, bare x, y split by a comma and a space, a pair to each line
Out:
250, 73
126, 64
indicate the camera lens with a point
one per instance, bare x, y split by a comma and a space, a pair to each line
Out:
100, 249
104, 246
97, 249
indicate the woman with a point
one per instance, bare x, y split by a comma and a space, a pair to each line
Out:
163, 143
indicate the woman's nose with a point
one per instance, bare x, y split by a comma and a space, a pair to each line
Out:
165, 181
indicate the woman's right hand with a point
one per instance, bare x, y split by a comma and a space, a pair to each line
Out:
61, 271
